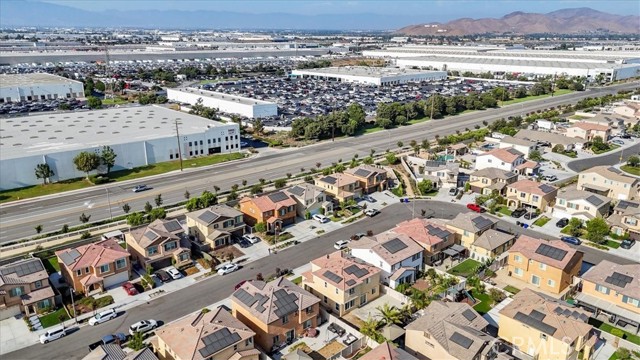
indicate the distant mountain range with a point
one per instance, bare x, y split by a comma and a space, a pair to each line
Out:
565, 21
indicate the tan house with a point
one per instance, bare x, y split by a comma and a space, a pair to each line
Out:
469, 226
114, 351
343, 282
431, 235
215, 335
491, 180
491, 244
629, 109
524, 146
159, 244
341, 187
547, 265
584, 205
546, 328
275, 210
95, 267
610, 182
387, 351
588, 130
626, 219
531, 195
25, 288
278, 311
614, 290
309, 199
449, 331
552, 139
215, 226
371, 178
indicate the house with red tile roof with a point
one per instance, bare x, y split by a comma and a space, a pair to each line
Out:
588, 130
275, 210
531, 195
434, 237
95, 267
507, 159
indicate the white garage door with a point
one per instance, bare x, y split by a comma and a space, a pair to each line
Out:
115, 280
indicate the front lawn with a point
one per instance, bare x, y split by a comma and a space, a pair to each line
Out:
483, 305
612, 244
297, 280
512, 289
465, 268
615, 331
53, 318
541, 221
271, 239
610, 148
631, 169
505, 211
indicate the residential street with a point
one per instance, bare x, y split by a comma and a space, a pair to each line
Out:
610, 158
177, 304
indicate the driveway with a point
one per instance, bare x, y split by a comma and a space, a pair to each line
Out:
15, 335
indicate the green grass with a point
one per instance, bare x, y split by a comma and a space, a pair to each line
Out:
578, 117
417, 121
541, 221
606, 327
631, 170
512, 289
484, 304
611, 148
505, 211
297, 280
529, 98
612, 244
114, 101
120, 175
51, 264
53, 318
202, 82
465, 268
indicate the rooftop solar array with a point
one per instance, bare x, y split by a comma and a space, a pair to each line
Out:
514, 151
329, 179
537, 315
172, 226
151, 235
217, 341
208, 216
625, 204
362, 172
24, 268
69, 257
481, 222
551, 252
285, 303
594, 200
546, 188
277, 196
461, 340
434, 163
351, 282
394, 245
618, 279
569, 313
297, 190
332, 276
261, 301
358, 272
469, 315
536, 324
245, 297
437, 232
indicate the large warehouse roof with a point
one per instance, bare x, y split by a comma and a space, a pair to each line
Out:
16, 80
42, 134
223, 96
514, 62
362, 71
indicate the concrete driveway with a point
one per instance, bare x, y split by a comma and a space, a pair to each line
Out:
15, 335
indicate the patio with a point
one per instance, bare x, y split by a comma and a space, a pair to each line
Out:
357, 316
502, 280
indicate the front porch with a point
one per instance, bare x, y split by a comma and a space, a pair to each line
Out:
38, 301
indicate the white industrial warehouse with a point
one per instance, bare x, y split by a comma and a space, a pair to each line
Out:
139, 136
38, 87
371, 75
230, 104
613, 65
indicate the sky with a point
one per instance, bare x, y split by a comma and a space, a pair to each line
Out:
432, 9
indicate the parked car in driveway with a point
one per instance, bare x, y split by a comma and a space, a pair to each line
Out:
129, 289
617, 142
627, 243
163, 276
244, 243
174, 273
531, 215
453, 191
53, 334
320, 218
550, 178
562, 222
227, 269
103, 316
140, 188
341, 244
371, 212
571, 240
143, 326
475, 207
368, 198
252, 238
518, 213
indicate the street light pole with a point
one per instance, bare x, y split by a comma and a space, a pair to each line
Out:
109, 201
73, 304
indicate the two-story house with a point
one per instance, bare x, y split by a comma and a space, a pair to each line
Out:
612, 289
277, 311
387, 351
399, 257
491, 244
449, 331
531, 195
508, 159
626, 219
25, 288
430, 234
549, 266
371, 178
275, 210
469, 226
214, 335
584, 205
159, 244
341, 187
588, 130
343, 282
213, 227
546, 328
491, 180
522, 145
95, 267
438, 172
551, 139
610, 182
309, 199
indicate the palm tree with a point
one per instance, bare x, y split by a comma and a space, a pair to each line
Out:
390, 314
419, 299
370, 327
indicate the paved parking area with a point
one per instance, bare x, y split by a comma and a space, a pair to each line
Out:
15, 335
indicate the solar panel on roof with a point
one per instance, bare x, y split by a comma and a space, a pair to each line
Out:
172, 226
297, 190
208, 216
394, 245
244, 297
625, 204
355, 270
262, 300
584, 317
537, 315
481, 222
351, 282
618, 279
566, 312
362, 172
217, 341
558, 310
594, 200
329, 179
461, 340
277, 196
469, 315
332, 276
151, 235
551, 252
536, 324
25, 268
70, 256
285, 303
437, 232
546, 188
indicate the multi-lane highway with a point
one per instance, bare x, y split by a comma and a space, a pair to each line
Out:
18, 220
177, 304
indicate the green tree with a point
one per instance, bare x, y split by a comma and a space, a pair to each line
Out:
368, 160
575, 227
496, 295
135, 219
370, 328
108, 157
339, 168
193, 204
157, 213
136, 343
258, 126
126, 208
244, 182
425, 186
44, 172
389, 314
400, 144
148, 207
280, 183
84, 218
597, 144
65, 229
535, 155
158, 200
633, 161
625, 354
597, 230
38, 229
86, 162
419, 299
94, 102
391, 158
232, 195
256, 189
207, 199
260, 227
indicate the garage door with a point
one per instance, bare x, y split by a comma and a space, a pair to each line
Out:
115, 280
9, 312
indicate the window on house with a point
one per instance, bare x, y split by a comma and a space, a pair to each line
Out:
309, 310
602, 289
248, 342
415, 257
184, 256
285, 319
276, 340
337, 307
79, 272
170, 245
542, 266
517, 258
16, 291
38, 284
349, 304
543, 336
373, 291
104, 268
120, 263
306, 324
352, 291
325, 299
535, 280
336, 290
551, 283
518, 272
325, 284
152, 250
535, 198
367, 280
629, 300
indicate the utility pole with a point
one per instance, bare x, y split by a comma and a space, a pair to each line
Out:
109, 201
178, 138
433, 99
73, 304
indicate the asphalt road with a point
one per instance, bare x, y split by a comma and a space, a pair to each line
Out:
177, 304
18, 220
610, 158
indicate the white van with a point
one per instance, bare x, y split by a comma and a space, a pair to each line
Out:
53, 334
